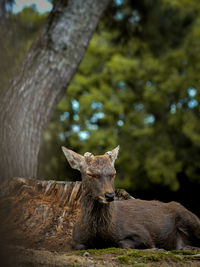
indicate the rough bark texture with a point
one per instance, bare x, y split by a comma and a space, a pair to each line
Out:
41, 214
48, 68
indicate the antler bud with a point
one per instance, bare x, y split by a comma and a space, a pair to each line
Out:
109, 153
88, 156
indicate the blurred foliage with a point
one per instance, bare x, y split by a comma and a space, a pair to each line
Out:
138, 86
16, 34
5, 7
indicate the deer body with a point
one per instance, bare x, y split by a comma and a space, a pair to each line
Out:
131, 223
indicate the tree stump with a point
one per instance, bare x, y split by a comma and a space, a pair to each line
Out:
41, 214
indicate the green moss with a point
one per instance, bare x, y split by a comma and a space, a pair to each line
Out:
72, 264
138, 256
106, 251
101, 251
182, 252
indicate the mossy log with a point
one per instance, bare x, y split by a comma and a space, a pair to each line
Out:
41, 214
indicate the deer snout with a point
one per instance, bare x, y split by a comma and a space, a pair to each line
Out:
109, 197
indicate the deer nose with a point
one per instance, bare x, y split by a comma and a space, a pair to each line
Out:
109, 197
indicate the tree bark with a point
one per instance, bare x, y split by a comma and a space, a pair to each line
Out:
47, 70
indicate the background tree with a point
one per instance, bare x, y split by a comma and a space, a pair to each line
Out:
26, 107
17, 32
138, 86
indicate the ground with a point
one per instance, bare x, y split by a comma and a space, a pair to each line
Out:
103, 257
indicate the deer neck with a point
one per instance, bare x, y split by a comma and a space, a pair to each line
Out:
95, 215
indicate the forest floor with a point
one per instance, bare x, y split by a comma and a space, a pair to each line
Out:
19, 256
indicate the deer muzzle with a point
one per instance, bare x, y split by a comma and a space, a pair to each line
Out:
110, 197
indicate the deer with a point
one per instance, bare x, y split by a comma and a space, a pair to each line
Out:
138, 224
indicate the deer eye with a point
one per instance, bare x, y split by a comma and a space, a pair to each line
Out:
112, 176
91, 175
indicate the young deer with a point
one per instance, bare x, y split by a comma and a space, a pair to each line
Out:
131, 223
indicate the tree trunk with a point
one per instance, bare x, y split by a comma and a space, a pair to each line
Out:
47, 70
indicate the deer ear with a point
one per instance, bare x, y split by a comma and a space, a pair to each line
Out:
113, 154
75, 160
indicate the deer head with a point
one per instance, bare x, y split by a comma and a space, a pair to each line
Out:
98, 173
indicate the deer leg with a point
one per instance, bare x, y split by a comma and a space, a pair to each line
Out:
188, 225
79, 246
137, 240
129, 243
79, 238
190, 248
191, 224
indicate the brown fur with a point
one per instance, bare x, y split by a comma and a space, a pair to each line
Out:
131, 223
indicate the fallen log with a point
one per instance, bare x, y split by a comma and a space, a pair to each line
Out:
41, 214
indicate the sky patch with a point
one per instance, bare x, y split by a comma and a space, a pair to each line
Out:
42, 6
